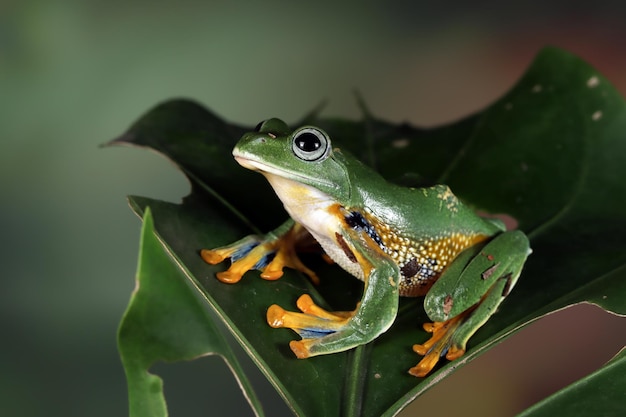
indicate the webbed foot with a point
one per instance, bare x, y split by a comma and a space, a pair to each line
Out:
311, 324
269, 255
467, 294
440, 344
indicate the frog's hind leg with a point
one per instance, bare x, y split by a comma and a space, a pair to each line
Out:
450, 337
490, 272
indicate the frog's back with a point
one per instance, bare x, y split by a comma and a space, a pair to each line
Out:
423, 231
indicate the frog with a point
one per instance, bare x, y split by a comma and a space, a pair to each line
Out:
400, 241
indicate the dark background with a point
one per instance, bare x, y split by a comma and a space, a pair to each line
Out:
74, 74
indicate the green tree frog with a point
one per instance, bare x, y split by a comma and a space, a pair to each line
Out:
399, 241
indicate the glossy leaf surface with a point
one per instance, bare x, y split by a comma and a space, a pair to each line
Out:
551, 153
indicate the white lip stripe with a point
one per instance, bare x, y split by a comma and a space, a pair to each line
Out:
249, 162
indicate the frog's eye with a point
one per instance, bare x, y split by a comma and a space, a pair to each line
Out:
311, 144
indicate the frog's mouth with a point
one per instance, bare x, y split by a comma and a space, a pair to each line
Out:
248, 163
255, 165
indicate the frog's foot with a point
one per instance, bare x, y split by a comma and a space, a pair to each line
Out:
312, 324
442, 343
269, 256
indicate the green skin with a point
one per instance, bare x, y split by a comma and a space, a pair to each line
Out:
309, 176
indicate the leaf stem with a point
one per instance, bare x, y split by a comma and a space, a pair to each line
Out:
357, 362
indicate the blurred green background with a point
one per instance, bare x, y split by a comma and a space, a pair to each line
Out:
75, 74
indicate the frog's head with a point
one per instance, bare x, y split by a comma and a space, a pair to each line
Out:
304, 156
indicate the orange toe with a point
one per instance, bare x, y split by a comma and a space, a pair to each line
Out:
212, 257
229, 277
275, 316
299, 348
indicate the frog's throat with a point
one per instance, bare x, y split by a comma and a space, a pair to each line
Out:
249, 162
303, 202
319, 214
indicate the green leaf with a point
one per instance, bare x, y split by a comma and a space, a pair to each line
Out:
165, 321
600, 394
551, 154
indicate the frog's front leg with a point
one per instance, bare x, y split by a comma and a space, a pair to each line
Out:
269, 253
467, 293
325, 332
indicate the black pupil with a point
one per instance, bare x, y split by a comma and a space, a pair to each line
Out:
308, 142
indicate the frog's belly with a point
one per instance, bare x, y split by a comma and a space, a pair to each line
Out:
333, 249
327, 228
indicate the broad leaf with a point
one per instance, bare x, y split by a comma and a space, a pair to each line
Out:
551, 154
166, 321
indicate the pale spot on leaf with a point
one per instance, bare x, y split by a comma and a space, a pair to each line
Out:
596, 116
593, 82
400, 143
